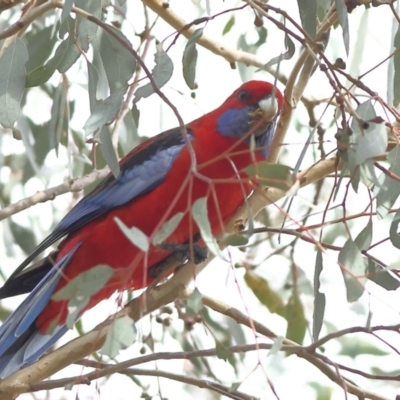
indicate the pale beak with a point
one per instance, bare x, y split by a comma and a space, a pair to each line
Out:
269, 108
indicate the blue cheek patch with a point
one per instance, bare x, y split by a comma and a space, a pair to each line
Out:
234, 122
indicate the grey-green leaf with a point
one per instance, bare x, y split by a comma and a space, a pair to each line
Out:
121, 334
308, 16
135, 235
87, 29
12, 81
353, 266
108, 151
161, 74
167, 229
396, 60
319, 298
189, 60
287, 55
85, 284
104, 111
343, 21
118, 63
200, 215
389, 190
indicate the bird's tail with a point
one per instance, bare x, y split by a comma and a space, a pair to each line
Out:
21, 342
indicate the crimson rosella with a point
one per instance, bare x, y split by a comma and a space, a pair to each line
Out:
156, 182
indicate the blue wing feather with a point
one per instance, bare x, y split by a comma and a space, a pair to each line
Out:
20, 341
143, 169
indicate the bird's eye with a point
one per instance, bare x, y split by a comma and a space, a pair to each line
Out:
243, 95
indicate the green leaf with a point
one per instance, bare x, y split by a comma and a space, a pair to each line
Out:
223, 353
121, 334
344, 23
287, 55
396, 60
93, 79
24, 237
228, 26
353, 348
167, 229
389, 190
381, 276
353, 270
135, 235
319, 299
161, 73
86, 284
364, 238
66, 10
271, 175
104, 111
394, 230
189, 60
118, 63
297, 323
267, 296
107, 149
194, 302
65, 56
40, 46
235, 239
87, 29
200, 215
308, 16
12, 81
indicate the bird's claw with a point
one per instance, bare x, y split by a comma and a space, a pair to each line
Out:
183, 252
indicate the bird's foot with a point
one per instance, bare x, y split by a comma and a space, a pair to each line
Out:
183, 252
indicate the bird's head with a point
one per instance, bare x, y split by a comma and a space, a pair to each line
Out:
251, 109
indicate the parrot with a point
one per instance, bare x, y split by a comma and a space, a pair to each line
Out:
159, 179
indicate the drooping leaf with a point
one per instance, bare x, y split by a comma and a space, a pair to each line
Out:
319, 298
364, 238
87, 29
228, 26
381, 276
65, 56
308, 16
287, 55
40, 46
12, 81
194, 302
223, 353
104, 111
119, 64
135, 235
353, 348
167, 229
343, 21
389, 190
85, 284
271, 175
68, 4
394, 230
189, 60
297, 323
121, 334
264, 293
24, 237
107, 149
353, 266
161, 74
200, 215
396, 80
93, 78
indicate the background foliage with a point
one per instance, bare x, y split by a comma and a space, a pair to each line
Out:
308, 301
